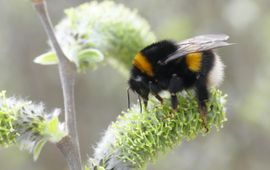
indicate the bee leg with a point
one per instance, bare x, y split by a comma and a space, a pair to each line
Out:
159, 98
202, 97
174, 101
154, 89
145, 101
175, 85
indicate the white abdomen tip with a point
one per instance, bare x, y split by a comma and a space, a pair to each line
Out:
216, 75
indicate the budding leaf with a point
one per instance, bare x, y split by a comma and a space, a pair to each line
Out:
48, 58
89, 58
53, 130
38, 148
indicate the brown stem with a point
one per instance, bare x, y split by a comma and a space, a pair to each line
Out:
67, 146
67, 71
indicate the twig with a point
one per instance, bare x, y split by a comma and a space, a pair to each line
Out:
65, 146
67, 71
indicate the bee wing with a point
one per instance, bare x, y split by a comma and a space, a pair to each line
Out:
199, 43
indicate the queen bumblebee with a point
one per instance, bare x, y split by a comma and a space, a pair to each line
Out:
175, 66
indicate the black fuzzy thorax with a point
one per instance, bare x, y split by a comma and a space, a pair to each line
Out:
159, 51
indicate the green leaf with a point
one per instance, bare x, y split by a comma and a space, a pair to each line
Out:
53, 130
38, 148
48, 58
89, 58
53, 125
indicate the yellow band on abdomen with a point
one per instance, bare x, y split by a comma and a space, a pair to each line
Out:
194, 61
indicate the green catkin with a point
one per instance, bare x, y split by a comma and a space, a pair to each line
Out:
140, 137
27, 125
114, 30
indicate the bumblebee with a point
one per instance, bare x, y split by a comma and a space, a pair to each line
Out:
176, 66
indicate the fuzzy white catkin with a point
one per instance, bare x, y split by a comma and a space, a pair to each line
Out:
29, 121
137, 137
103, 150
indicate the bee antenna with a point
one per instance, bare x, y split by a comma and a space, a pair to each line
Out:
128, 97
140, 102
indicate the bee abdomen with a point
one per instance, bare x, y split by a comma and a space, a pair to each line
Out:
216, 74
194, 61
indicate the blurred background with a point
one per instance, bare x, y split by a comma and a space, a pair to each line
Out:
244, 141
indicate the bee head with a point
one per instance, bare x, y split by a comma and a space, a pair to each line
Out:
139, 84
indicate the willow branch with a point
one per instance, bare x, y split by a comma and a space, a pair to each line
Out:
67, 71
66, 146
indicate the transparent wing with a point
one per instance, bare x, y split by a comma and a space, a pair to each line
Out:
199, 43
